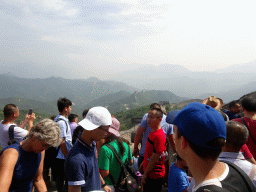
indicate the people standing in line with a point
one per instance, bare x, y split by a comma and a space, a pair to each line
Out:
153, 164
11, 113
64, 107
109, 166
21, 164
200, 134
73, 119
81, 165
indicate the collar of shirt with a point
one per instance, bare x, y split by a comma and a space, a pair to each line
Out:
62, 117
232, 155
86, 145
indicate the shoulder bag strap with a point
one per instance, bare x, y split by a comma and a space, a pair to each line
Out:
249, 131
245, 177
65, 123
120, 162
11, 132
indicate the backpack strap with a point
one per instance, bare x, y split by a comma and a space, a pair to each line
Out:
120, 162
11, 132
60, 119
210, 188
245, 177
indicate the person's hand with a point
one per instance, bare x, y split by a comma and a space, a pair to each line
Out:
144, 179
135, 152
31, 117
107, 188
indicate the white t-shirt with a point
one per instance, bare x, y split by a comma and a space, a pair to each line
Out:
19, 134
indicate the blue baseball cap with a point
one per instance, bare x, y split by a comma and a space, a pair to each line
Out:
200, 124
171, 116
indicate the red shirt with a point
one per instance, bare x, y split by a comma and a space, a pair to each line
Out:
246, 152
156, 143
252, 128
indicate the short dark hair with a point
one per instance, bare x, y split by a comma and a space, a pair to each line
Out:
9, 109
72, 117
155, 105
233, 103
62, 103
159, 112
206, 153
85, 112
237, 134
249, 103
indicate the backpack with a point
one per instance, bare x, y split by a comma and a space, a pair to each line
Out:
127, 180
248, 182
11, 135
52, 152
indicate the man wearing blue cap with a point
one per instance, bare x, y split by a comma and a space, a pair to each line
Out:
200, 134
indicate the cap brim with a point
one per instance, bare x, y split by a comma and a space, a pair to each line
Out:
115, 132
88, 125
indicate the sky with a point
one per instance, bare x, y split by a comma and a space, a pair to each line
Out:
83, 38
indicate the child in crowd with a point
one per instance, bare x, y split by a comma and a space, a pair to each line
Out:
178, 179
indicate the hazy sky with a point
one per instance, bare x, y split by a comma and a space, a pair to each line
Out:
91, 37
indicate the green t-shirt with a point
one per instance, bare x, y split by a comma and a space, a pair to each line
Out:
108, 161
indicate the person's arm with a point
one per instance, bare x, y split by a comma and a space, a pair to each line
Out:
103, 183
74, 188
39, 180
28, 119
137, 140
8, 160
151, 164
104, 173
171, 141
63, 147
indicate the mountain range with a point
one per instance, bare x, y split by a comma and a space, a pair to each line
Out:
42, 94
228, 83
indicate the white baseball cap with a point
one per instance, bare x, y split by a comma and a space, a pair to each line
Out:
96, 117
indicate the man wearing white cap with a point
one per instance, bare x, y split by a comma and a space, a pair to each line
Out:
81, 165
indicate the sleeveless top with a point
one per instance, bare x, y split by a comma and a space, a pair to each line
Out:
25, 169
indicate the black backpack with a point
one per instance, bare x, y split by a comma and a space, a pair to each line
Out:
248, 182
52, 152
127, 180
11, 135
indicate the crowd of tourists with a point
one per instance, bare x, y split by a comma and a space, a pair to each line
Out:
200, 148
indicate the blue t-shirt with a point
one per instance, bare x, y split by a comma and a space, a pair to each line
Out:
167, 128
177, 179
81, 166
25, 169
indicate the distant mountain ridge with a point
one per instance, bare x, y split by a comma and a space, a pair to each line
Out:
80, 92
42, 94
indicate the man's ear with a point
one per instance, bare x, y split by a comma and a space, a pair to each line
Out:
184, 142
